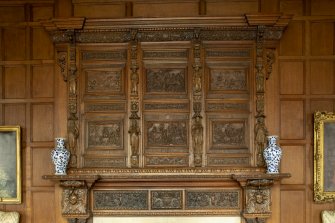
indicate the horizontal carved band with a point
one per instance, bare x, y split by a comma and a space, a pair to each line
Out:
105, 107
105, 162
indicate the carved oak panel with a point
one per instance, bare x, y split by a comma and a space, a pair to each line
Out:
166, 133
227, 79
105, 107
161, 200
222, 199
104, 55
104, 161
227, 133
176, 161
120, 200
156, 54
110, 81
215, 160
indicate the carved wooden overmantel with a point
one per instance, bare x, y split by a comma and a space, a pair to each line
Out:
174, 104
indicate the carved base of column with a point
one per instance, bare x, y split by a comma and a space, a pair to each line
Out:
134, 161
197, 160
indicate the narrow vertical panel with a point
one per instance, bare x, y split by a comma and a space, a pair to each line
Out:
44, 207
42, 45
292, 77
94, 10
293, 162
292, 41
322, 77
15, 114
322, 38
41, 165
292, 206
42, 13
15, 82
42, 122
225, 8
14, 43
165, 9
43, 81
292, 124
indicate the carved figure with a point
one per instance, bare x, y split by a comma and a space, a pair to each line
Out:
261, 139
197, 78
134, 132
134, 80
197, 135
72, 81
73, 133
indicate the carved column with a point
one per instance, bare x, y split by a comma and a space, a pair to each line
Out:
75, 196
134, 128
257, 195
197, 126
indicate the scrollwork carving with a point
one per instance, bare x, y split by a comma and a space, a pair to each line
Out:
62, 63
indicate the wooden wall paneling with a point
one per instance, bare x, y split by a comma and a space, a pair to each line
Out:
322, 77
292, 79
42, 119
293, 161
13, 50
293, 202
42, 12
102, 10
323, 7
42, 47
12, 13
322, 38
271, 6
165, 9
63, 9
292, 43
231, 7
15, 82
292, 119
42, 85
15, 114
321, 105
44, 207
41, 165
292, 7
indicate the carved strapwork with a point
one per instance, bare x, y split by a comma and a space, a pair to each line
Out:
197, 127
134, 134
62, 63
269, 60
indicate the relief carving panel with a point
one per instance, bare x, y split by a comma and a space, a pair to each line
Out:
104, 81
104, 55
166, 200
228, 133
225, 199
105, 107
105, 134
166, 80
166, 161
120, 200
228, 80
167, 133
105, 162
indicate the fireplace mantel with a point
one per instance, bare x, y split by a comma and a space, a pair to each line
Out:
247, 190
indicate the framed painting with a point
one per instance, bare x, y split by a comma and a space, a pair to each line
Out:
10, 165
324, 156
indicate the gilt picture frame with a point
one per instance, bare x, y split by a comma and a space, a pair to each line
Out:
10, 165
324, 156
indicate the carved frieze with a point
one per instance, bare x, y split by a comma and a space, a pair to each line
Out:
165, 35
228, 79
104, 81
112, 36
228, 34
105, 162
165, 80
228, 53
105, 134
227, 106
214, 160
161, 200
167, 133
104, 55
166, 106
224, 199
105, 107
164, 54
120, 200
228, 133
166, 161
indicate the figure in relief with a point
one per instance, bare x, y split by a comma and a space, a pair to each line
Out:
134, 132
72, 81
197, 135
197, 79
134, 80
73, 133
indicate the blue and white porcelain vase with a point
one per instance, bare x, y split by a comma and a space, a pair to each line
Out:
60, 157
272, 155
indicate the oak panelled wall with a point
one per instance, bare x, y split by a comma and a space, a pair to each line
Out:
302, 81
